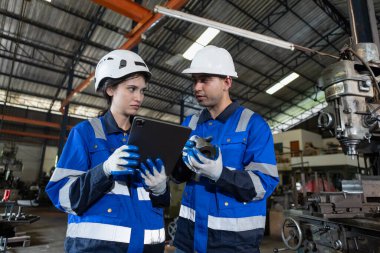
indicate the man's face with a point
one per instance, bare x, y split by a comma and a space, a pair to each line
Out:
128, 96
209, 90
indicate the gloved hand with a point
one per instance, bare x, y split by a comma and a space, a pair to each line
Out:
188, 151
211, 168
153, 176
123, 161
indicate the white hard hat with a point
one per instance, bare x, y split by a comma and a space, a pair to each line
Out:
117, 64
212, 60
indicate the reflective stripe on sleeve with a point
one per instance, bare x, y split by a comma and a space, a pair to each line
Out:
154, 236
187, 213
64, 199
61, 173
99, 231
244, 120
259, 188
266, 168
236, 224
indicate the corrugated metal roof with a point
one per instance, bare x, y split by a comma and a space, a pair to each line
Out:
39, 40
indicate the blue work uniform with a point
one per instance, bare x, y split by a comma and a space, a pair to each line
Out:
228, 215
105, 214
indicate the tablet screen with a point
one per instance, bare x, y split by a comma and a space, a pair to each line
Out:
158, 139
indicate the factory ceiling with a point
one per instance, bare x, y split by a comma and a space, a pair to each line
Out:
47, 46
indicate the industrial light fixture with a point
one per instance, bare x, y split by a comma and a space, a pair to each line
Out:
201, 42
283, 82
48, 1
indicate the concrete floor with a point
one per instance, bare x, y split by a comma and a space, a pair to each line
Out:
48, 233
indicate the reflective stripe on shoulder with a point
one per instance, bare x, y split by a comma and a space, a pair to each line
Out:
236, 224
259, 188
244, 119
187, 213
96, 124
194, 120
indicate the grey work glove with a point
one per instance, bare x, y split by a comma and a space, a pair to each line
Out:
211, 168
153, 176
123, 161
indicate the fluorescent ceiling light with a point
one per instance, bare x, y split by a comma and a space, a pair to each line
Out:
201, 42
192, 50
283, 82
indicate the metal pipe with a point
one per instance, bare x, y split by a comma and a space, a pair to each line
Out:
224, 27
361, 26
29, 134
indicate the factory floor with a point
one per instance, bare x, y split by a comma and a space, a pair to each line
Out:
47, 234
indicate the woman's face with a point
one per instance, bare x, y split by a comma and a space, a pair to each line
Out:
127, 96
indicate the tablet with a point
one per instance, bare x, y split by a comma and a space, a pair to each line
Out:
158, 139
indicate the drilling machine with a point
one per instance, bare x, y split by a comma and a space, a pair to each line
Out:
347, 221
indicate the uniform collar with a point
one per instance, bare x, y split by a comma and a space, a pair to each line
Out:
230, 109
111, 125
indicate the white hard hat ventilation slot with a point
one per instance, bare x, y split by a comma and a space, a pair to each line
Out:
138, 63
123, 63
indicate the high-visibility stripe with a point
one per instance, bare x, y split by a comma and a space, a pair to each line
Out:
259, 188
154, 236
268, 169
244, 120
236, 224
120, 188
193, 121
99, 231
64, 196
187, 213
61, 173
98, 128
142, 194
107, 232
226, 224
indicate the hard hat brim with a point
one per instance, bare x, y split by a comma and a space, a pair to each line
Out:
208, 71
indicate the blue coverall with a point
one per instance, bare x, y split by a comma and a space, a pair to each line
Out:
228, 215
105, 214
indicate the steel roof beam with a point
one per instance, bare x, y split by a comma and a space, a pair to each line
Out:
50, 28
43, 48
29, 134
80, 15
132, 41
334, 14
84, 41
31, 121
127, 8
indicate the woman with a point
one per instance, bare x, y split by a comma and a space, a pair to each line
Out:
98, 180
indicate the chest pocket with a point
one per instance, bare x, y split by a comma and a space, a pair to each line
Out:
233, 148
99, 152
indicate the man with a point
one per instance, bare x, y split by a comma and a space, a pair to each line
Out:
224, 202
